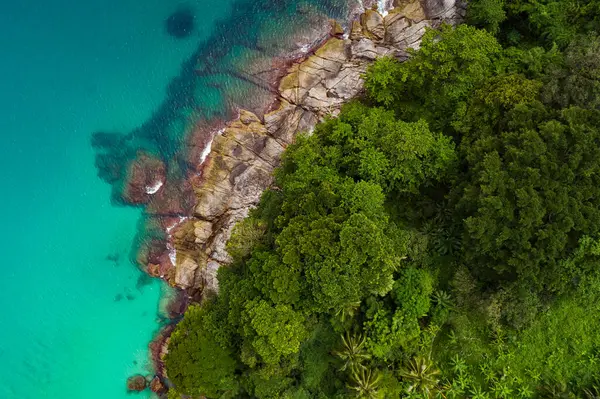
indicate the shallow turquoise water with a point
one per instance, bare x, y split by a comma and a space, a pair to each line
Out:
67, 71
75, 322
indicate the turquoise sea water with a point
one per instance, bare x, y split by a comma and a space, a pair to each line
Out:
76, 315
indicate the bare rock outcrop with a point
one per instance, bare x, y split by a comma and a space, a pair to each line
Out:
243, 154
136, 383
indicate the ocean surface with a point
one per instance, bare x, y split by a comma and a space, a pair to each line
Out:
76, 313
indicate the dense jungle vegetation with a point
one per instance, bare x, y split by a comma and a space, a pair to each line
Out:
439, 239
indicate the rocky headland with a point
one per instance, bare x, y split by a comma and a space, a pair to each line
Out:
233, 162
230, 163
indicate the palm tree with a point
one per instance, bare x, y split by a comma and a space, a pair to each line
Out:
365, 382
353, 352
592, 393
348, 311
422, 376
442, 299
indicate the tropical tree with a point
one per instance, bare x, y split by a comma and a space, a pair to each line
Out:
422, 376
439, 78
352, 352
592, 393
348, 311
532, 184
365, 383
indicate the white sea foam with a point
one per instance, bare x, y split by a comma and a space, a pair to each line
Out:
170, 248
382, 5
175, 224
172, 253
154, 189
207, 149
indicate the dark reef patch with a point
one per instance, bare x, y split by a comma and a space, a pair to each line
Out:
180, 24
143, 280
113, 258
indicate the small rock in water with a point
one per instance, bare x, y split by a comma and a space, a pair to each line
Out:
129, 297
157, 386
136, 383
118, 297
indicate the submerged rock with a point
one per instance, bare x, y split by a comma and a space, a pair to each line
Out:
146, 175
181, 23
136, 383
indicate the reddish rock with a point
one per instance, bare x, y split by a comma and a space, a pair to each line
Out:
146, 175
176, 197
150, 251
198, 141
153, 269
136, 383
157, 386
158, 349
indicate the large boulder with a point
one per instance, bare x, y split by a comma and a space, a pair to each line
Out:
438, 8
136, 383
372, 24
239, 168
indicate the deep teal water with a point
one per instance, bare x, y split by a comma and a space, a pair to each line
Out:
75, 319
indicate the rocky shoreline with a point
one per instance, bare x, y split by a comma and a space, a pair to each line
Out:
231, 163
234, 161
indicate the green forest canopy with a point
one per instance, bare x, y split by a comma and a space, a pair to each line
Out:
440, 238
